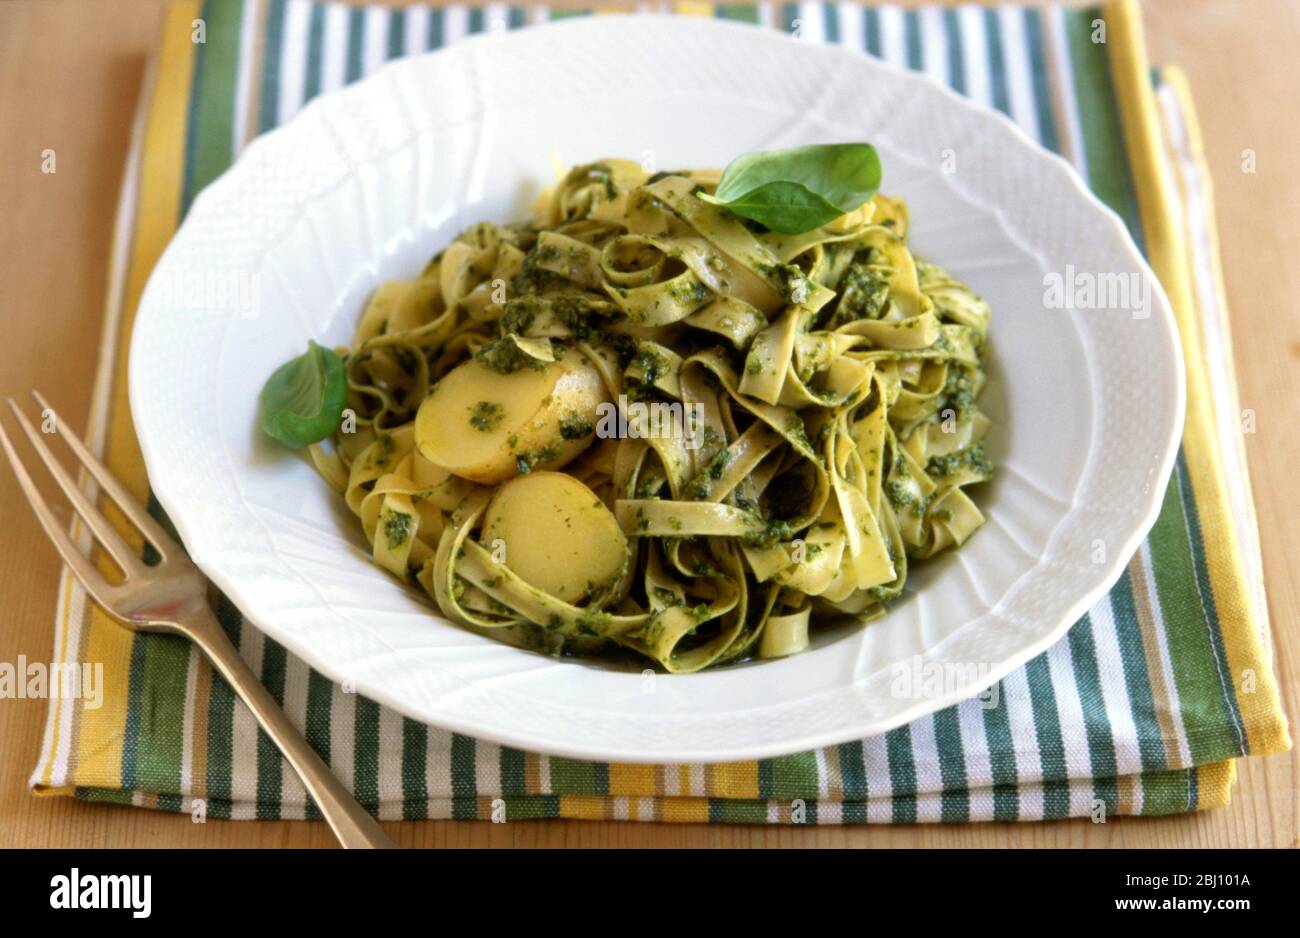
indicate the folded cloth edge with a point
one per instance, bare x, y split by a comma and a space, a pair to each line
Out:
1262, 718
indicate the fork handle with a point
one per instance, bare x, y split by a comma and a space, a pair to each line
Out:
352, 824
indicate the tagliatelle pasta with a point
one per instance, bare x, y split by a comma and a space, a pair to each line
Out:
638, 422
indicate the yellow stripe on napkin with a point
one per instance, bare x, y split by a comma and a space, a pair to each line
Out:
1167, 249
101, 735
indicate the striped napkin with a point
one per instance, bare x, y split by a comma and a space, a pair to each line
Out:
1140, 710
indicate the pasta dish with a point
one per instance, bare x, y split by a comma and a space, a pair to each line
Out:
643, 421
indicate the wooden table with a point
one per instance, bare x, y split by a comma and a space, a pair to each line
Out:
70, 73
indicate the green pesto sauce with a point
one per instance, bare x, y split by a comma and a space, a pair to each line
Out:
485, 416
397, 529
972, 457
505, 357
574, 426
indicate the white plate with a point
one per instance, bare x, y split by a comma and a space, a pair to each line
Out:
369, 182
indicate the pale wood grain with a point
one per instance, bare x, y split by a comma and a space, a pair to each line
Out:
70, 74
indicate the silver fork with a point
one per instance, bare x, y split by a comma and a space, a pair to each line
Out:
171, 597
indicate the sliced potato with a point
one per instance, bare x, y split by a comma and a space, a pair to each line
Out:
556, 534
486, 426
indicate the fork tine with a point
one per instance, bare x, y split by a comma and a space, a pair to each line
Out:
82, 568
113, 541
151, 529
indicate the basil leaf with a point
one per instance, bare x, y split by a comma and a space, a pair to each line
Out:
303, 401
796, 190
785, 207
